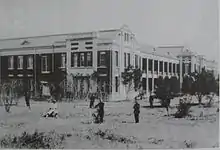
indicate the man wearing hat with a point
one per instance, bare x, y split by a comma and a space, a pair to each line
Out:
136, 108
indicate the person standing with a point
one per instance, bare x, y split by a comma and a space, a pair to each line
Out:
136, 108
92, 100
151, 100
100, 110
27, 99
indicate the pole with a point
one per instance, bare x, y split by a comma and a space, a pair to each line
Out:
35, 73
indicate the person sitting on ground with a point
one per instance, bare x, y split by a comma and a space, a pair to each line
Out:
52, 111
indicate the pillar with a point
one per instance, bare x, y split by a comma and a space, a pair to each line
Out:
181, 72
147, 76
153, 75
163, 68
158, 68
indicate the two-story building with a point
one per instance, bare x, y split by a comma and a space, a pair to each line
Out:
50, 58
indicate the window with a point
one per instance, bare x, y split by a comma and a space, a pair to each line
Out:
74, 48
102, 58
116, 84
30, 62
116, 58
129, 59
170, 67
155, 65
150, 63
63, 60
144, 64
165, 67
125, 60
161, 66
174, 68
11, 62
90, 47
89, 59
178, 68
88, 43
82, 59
44, 64
20, 62
136, 61
73, 44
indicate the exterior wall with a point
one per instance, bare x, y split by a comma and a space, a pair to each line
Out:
122, 41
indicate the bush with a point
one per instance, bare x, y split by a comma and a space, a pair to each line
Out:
36, 140
183, 109
109, 135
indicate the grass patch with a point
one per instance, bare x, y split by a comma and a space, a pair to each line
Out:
109, 135
36, 140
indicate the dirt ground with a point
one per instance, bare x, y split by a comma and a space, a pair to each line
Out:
155, 130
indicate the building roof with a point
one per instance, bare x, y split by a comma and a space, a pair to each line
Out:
56, 39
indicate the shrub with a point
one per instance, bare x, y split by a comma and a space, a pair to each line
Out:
183, 109
34, 140
109, 135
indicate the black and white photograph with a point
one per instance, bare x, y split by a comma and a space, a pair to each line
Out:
109, 74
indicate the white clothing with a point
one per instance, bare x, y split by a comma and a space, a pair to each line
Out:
45, 91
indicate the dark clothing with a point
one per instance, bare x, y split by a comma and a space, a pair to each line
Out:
136, 108
136, 112
100, 110
92, 100
151, 100
27, 99
136, 117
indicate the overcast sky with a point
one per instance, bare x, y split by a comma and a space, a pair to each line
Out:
193, 23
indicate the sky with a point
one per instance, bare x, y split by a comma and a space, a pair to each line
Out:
193, 23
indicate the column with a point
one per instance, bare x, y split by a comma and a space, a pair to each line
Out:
153, 75
168, 69
147, 89
181, 72
176, 69
158, 68
163, 68
171, 69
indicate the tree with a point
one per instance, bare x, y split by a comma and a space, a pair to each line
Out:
174, 85
163, 90
204, 84
187, 85
137, 74
129, 76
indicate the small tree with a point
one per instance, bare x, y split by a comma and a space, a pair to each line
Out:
137, 74
187, 85
129, 76
163, 90
174, 85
